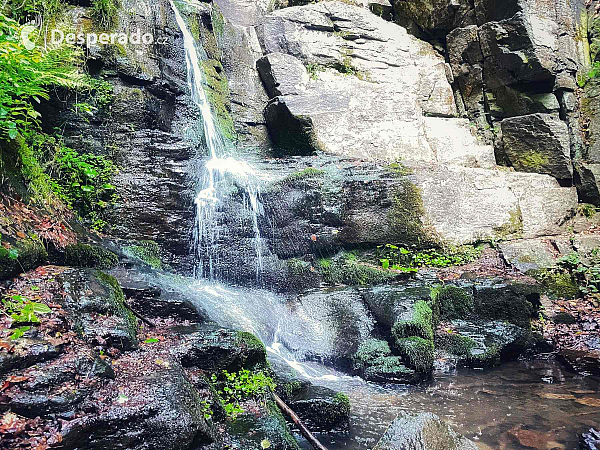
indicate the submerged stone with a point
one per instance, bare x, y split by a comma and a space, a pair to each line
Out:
424, 431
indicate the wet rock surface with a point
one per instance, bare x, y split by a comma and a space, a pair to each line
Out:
422, 431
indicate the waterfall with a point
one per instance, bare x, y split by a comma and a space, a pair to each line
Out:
220, 169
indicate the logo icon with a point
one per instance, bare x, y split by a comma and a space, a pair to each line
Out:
25, 32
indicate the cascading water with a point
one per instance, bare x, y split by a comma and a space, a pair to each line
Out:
219, 170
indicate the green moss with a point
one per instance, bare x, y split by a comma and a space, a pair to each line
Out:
146, 250
506, 302
558, 284
453, 302
218, 96
218, 21
342, 404
455, 343
420, 325
251, 341
85, 255
418, 353
275, 412
30, 254
532, 160
309, 172
489, 358
346, 268
406, 215
513, 228
369, 351
117, 301
390, 368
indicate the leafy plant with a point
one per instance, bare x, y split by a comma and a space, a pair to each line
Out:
83, 182
313, 70
403, 259
22, 311
25, 76
7, 252
235, 387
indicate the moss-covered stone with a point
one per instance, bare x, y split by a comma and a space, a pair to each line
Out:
322, 409
251, 342
454, 343
26, 254
558, 284
418, 353
309, 172
370, 350
346, 268
420, 325
117, 303
85, 255
406, 215
512, 301
390, 369
489, 358
513, 228
452, 302
146, 250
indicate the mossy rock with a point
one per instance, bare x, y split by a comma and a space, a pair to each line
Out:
564, 318
452, 302
369, 351
213, 348
421, 323
86, 255
513, 302
322, 409
96, 305
418, 353
390, 369
250, 429
346, 268
557, 284
218, 96
491, 357
454, 343
27, 254
146, 250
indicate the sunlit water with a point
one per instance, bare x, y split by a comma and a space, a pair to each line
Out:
221, 171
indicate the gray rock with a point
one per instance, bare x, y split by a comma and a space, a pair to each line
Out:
538, 143
322, 409
159, 410
588, 182
435, 16
528, 254
424, 431
390, 303
590, 108
282, 74
370, 86
468, 204
95, 303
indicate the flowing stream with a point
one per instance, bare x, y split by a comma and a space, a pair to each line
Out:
533, 404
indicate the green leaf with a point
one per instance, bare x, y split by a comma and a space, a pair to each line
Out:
150, 341
19, 332
40, 308
87, 189
12, 133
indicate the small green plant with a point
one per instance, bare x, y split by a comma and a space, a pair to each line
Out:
400, 258
587, 210
8, 253
206, 410
22, 311
236, 387
313, 70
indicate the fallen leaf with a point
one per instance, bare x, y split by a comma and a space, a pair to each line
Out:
21, 234
11, 424
552, 396
589, 401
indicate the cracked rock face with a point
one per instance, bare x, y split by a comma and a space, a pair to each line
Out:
356, 85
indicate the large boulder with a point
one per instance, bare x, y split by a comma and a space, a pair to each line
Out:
538, 143
424, 431
588, 182
365, 89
